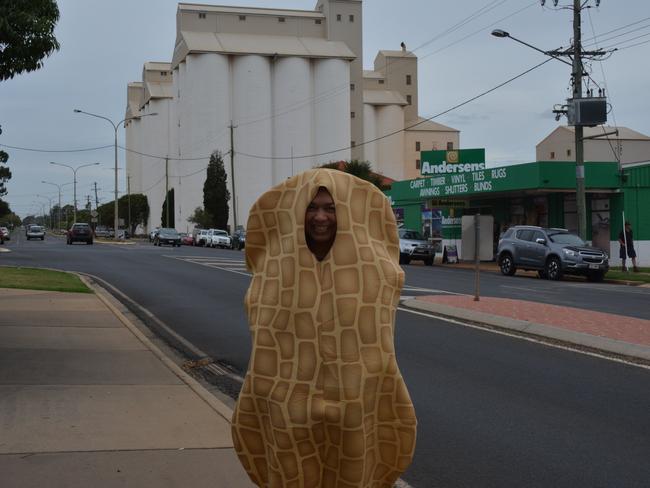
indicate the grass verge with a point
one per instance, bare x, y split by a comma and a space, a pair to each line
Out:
41, 279
642, 275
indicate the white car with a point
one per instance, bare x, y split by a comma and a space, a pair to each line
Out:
201, 237
35, 232
218, 238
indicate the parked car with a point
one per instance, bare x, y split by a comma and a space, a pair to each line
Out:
153, 233
412, 245
219, 238
167, 236
35, 232
238, 239
550, 252
187, 239
5, 234
201, 237
103, 232
80, 232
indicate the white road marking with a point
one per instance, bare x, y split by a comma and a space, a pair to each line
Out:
524, 338
215, 263
400, 483
430, 290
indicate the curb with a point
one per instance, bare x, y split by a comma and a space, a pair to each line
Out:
222, 409
636, 353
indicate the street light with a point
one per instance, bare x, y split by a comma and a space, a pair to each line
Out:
74, 173
115, 127
59, 187
50, 214
501, 33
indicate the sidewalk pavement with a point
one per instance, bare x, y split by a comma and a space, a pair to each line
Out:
609, 334
86, 399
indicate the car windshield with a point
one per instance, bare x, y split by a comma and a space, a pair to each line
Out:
566, 238
80, 226
35, 228
220, 233
168, 232
410, 234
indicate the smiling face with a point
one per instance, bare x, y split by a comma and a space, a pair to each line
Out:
320, 223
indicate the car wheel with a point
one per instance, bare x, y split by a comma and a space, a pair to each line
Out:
542, 274
596, 277
404, 259
428, 262
43, 238
554, 269
507, 265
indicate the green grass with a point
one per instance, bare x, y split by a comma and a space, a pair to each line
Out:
615, 273
41, 279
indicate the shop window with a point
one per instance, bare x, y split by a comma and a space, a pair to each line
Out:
417, 145
408, 79
408, 99
552, 154
417, 164
450, 146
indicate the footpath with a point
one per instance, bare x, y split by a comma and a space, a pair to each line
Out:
87, 399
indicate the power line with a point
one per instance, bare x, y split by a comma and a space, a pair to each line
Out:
55, 150
618, 35
615, 30
408, 127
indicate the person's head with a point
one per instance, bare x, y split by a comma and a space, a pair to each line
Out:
627, 226
320, 223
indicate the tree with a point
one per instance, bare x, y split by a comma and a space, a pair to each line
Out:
169, 199
139, 210
215, 192
201, 218
360, 169
26, 35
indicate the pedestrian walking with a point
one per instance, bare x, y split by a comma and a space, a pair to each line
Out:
626, 240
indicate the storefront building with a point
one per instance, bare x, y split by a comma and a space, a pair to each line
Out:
457, 183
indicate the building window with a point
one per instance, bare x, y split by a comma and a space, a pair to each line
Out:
450, 146
338, 17
552, 154
352, 115
201, 15
417, 145
242, 17
351, 86
163, 73
351, 18
408, 99
568, 152
381, 82
281, 19
417, 164
352, 143
408, 79
318, 21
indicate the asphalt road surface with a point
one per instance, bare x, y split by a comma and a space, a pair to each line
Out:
493, 411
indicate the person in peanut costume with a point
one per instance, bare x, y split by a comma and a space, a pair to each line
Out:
323, 402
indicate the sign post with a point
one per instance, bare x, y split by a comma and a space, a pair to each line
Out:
477, 256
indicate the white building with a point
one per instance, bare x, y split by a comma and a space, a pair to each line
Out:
291, 84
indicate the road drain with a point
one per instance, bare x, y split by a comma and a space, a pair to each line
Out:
216, 373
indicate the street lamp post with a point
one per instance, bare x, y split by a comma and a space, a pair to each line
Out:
49, 199
115, 127
59, 188
74, 173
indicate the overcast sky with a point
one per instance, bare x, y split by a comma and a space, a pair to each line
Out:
104, 44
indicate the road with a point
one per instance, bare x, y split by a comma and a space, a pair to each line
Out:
494, 411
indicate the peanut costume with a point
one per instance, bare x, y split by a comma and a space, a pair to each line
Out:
323, 403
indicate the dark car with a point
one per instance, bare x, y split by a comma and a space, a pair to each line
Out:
80, 232
238, 239
550, 252
167, 236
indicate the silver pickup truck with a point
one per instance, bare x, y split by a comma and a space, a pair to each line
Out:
412, 245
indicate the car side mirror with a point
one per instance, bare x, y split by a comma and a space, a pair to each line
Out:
541, 241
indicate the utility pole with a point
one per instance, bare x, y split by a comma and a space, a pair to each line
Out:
581, 198
96, 202
128, 190
232, 175
88, 204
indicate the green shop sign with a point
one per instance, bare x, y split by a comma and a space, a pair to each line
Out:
451, 162
544, 175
